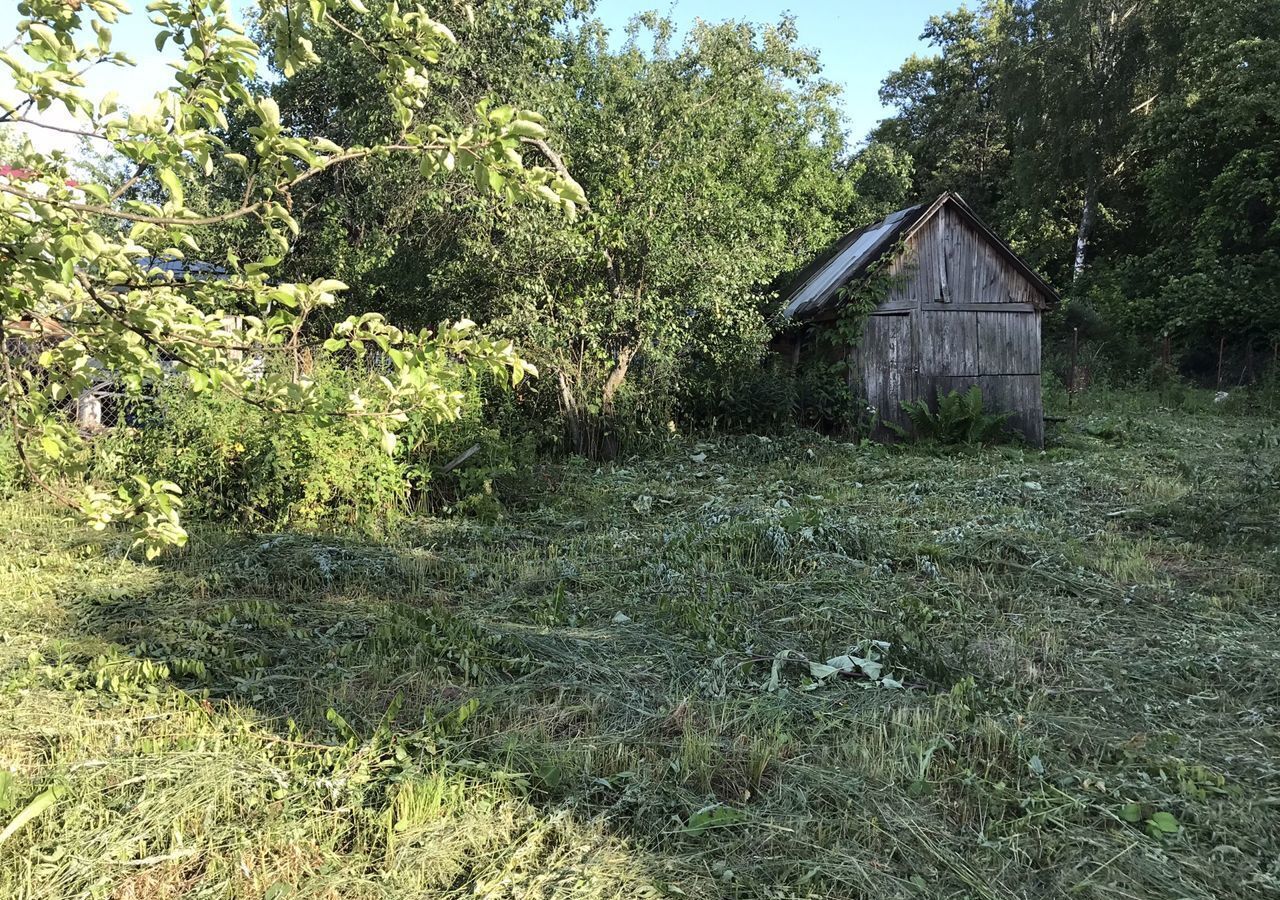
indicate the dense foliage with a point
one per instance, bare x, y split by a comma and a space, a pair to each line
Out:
956, 417
711, 166
228, 237
1131, 149
92, 279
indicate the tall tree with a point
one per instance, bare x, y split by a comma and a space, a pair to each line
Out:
711, 167
1075, 86
378, 224
1211, 174
85, 285
949, 115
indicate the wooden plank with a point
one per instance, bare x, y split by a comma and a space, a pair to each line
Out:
948, 343
1008, 343
885, 360
970, 307
895, 306
977, 271
944, 244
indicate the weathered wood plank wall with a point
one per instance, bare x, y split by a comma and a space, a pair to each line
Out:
885, 360
933, 332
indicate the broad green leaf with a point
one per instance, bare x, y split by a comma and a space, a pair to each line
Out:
171, 182
38, 805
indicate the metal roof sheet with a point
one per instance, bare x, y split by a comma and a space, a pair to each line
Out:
854, 252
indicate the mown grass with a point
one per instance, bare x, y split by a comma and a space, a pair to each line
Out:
1086, 636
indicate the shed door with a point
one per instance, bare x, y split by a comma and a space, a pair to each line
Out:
885, 361
998, 350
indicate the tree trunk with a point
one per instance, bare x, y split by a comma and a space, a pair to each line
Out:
615, 379
574, 426
588, 433
607, 443
1087, 216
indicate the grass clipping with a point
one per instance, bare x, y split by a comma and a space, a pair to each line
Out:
747, 668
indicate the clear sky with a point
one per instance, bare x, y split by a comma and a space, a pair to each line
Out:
860, 41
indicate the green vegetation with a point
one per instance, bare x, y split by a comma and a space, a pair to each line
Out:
94, 283
410, 648
958, 418
612, 693
1129, 149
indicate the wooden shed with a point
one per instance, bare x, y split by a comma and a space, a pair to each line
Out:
960, 308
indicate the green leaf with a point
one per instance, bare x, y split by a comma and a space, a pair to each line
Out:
44, 34
38, 805
269, 111
341, 725
171, 182
526, 129
1164, 822
710, 817
1131, 812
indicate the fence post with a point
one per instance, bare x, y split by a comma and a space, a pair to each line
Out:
1071, 375
89, 411
1222, 346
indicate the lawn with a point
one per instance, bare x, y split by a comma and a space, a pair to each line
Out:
619, 689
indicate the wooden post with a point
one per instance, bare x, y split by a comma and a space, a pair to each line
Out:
89, 411
1222, 347
1071, 376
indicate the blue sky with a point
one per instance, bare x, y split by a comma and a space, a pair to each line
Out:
860, 41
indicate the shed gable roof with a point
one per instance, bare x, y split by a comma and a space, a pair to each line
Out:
818, 285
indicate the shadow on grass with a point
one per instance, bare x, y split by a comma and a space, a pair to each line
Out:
464, 712
287, 714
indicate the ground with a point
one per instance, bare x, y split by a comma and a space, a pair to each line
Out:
609, 693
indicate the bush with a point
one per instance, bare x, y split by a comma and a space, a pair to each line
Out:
773, 396
240, 464
498, 468
748, 399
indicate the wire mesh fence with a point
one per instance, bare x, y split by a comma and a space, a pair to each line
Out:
104, 404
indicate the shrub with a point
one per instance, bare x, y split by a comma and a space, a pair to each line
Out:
824, 399
498, 468
960, 419
754, 398
775, 395
240, 464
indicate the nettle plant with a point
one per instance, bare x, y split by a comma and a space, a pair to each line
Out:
83, 294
